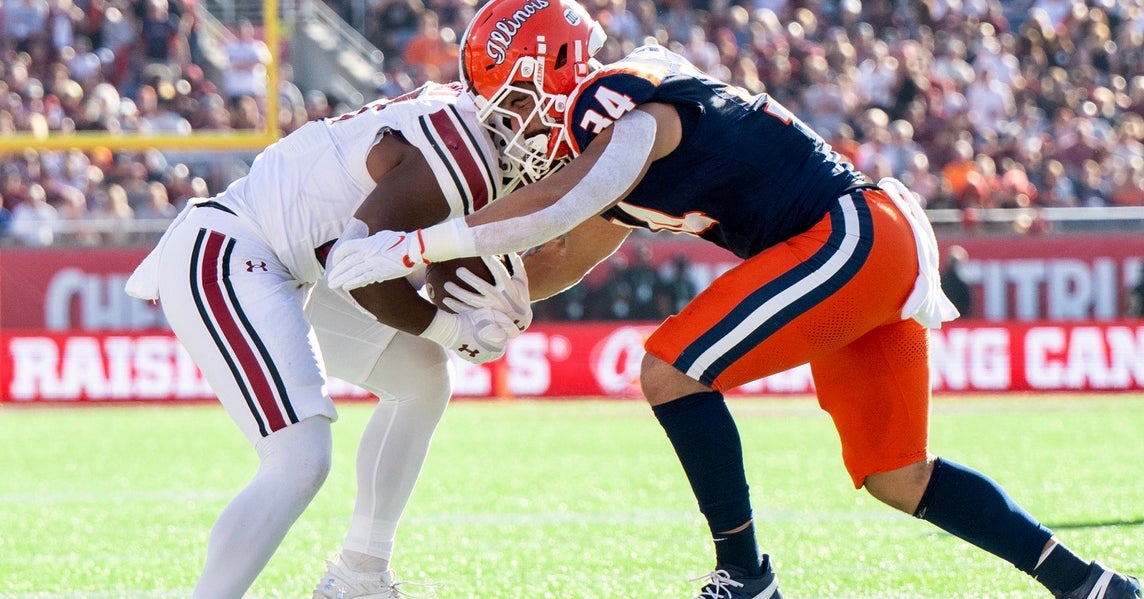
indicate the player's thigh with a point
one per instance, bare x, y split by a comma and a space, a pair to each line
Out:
350, 340
359, 349
239, 314
877, 391
797, 300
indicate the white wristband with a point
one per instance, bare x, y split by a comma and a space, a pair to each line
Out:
447, 240
442, 329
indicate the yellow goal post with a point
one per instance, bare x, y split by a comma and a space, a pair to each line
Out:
194, 141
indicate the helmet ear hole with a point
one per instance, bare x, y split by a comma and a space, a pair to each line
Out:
561, 57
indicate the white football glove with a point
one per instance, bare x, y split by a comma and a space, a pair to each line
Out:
507, 294
478, 336
379, 257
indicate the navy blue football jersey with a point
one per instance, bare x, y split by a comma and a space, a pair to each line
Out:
747, 173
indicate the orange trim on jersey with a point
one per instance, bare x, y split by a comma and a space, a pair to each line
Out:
695, 222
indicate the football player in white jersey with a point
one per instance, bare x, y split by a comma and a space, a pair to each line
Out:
239, 278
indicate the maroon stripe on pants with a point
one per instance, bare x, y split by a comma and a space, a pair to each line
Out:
244, 354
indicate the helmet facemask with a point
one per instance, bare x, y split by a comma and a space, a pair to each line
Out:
526, 159
536, 48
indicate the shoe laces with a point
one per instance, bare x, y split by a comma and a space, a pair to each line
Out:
430, 589
396, 591
719, 585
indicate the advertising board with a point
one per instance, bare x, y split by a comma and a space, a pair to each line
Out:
583, 360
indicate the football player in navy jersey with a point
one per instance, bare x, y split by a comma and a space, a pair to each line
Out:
838, 271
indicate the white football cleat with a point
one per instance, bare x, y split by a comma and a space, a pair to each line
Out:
340, 582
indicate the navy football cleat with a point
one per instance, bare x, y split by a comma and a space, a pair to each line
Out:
1103, 583
729, 582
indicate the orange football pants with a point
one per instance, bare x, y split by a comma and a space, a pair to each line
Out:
832, 297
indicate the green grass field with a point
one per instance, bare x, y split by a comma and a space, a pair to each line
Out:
560, 499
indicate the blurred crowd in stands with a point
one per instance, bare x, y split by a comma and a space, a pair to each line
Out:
972, 103
633, 288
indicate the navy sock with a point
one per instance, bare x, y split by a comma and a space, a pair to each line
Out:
968, 505
739, 549
1062, 570
706, 440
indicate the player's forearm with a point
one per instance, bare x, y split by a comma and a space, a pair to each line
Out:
540, 212
547, 269
397, 304
525, 200
561, 263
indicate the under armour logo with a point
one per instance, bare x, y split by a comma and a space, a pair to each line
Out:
472, 352
250, 265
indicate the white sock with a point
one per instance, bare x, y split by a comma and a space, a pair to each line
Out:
360, 562
294, 462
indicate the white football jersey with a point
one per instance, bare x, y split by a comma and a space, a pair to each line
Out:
302, 190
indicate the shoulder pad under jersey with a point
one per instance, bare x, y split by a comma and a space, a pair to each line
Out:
441, 121
606, 95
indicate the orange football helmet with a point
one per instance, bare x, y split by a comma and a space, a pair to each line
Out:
541, 48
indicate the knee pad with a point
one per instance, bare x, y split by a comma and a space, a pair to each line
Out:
298, 455
412, 369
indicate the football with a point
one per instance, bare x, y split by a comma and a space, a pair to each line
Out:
439, 273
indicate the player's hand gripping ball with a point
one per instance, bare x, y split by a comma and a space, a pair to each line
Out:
439, 273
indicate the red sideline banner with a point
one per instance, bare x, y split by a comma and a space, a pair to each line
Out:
1060, 277
582, 360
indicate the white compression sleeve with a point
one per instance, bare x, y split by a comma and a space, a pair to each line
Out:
413, 380
293, 463
613, 175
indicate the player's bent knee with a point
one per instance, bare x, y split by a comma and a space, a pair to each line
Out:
661, 382
302, 450
901, 488
412, 369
